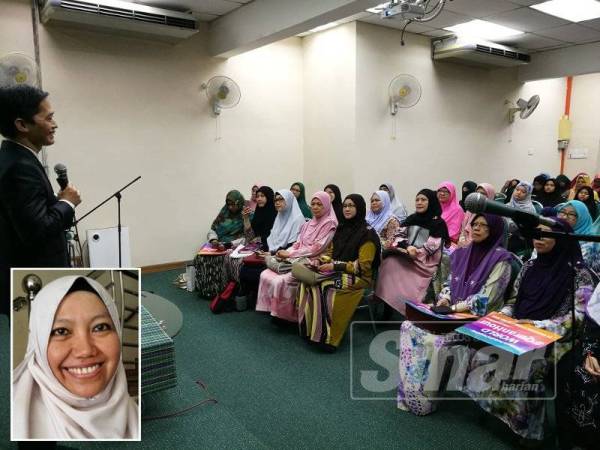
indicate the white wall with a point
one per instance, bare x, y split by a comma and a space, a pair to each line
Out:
457, 131
329, 107
128, 107
585, 117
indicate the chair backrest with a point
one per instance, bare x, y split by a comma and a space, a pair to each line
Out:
516, 264
500, 197
538, 206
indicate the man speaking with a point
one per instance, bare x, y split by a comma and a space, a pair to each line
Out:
33, 219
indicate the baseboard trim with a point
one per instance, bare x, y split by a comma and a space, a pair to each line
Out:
162, 267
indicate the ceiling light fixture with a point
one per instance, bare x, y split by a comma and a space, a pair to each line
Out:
483, 29
572, 10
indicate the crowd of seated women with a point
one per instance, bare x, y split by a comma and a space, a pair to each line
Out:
349, 245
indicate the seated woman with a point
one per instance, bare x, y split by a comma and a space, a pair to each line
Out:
299, 192
544, 291
251, 204
563, 185
468, 187
538, 186
585, 195
72, 383
521, 199
398, 208
277, 292
509, 188
226, 230
282, 235
452, 213
580, 180
381, 218
577, 406
336, 199
325, 310
551, 196
414, 255
465, 234
577, 216
479, 276
257, 227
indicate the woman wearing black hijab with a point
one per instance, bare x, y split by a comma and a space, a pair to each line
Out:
468, 187
551, 196
538, 186
325, 309
263, 218
563, 186
257, 225
545, 290
414, 256
336, 200
585, 194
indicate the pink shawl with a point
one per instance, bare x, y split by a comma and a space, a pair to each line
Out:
452, 213
316, 229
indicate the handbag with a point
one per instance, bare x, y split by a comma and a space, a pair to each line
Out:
278, 266
254, 260
303, 273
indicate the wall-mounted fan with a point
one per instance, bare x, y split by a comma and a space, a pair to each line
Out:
222, 92
524, 107
17, 68
404, 92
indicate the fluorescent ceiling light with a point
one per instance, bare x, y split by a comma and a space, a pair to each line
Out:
573, 10
377, 9
324, 27
483, 29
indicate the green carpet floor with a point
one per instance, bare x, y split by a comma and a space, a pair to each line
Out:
275, 391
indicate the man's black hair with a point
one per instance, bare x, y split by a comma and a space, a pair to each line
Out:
18, 102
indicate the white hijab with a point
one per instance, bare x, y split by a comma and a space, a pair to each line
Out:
43, 407
398, 208
287, 223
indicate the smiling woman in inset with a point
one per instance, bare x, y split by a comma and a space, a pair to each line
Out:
71, 383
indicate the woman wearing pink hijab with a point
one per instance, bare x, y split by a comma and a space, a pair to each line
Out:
465, 235
277, 292
252, 202
452, 213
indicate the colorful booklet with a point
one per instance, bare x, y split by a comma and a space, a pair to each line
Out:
505, 333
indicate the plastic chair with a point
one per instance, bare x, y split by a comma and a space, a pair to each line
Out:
538, 206
500, 197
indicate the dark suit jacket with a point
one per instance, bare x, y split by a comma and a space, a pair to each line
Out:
32, 220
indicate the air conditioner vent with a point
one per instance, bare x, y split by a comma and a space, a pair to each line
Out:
124, 17
462, 50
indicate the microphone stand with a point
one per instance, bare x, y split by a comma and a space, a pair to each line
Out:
116, 195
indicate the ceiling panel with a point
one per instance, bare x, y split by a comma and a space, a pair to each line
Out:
480, 8
532, 41
527, 19
447, 19
572, 33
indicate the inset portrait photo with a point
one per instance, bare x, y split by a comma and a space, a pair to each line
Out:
75, 354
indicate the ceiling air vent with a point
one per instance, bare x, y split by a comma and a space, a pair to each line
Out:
119, 17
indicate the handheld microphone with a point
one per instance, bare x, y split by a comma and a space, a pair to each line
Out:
478, 203
61, 172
